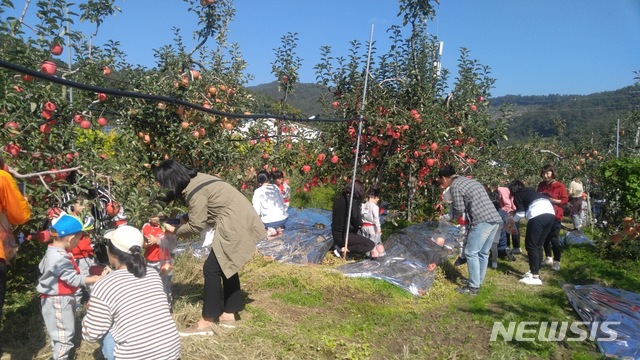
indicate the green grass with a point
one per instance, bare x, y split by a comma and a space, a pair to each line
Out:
312, 312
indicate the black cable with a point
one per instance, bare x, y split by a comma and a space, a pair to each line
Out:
167, 99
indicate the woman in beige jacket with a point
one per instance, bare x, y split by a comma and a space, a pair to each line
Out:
212, 201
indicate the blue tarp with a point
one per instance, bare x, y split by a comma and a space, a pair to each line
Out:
306, 239
619, 309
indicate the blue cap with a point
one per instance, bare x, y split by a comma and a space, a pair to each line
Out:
67, 225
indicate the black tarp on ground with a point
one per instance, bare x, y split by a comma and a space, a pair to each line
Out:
597, 304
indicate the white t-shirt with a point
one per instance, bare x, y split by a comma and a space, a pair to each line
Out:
269, 204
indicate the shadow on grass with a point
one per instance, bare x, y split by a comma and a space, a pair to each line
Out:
23, 334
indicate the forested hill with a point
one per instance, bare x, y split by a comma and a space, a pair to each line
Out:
579, 117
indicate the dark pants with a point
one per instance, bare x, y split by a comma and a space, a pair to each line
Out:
552, 242
537, 230
3, 284
358, 244
220, 294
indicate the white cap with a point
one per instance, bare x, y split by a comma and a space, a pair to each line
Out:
124, 237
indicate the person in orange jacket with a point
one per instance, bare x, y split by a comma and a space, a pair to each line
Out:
14, 210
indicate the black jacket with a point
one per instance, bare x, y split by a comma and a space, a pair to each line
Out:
339, 214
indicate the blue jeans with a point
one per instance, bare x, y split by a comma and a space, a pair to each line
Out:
108, 347
479, 241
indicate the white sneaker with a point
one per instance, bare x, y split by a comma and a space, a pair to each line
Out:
548, 261
271, 232
530, 280
555, 266
494, 264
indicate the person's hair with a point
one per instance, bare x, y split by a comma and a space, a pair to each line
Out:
446, 171
262, 177
374, 193
495, 198
174, 177
277, 174
358, 190
515, 186
548, 168
134, 261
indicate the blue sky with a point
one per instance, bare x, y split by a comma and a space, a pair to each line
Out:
533, 47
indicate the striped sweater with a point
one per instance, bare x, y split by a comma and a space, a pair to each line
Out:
136, 313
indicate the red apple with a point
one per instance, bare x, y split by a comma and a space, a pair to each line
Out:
42, 236
480, 98
12, 125
85, 124
102, 121
56, 49
321, 157
473, 107
95, 270
103, 156
456, 142
335, 105
12, 149
285, 79
429, 162
102, 97
334, 159
306, 168
433, 146
26, 78
45, 129
49, 106
68, 158
78, 118
112, 208
49, 67
265, 156
17, 88
106, 71
195, 74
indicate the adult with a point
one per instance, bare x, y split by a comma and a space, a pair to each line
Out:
269, 204
506, 204
470, 197
575, 200
539, 212
356, 244
128, 309
214, 202
14, 210
557, 194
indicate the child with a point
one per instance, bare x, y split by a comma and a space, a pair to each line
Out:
156, 255
83, 253
60, 280
277, 177
269, 204
371, 222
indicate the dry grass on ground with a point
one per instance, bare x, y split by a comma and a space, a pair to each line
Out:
312, 312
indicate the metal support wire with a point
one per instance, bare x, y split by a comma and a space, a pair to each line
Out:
355, 162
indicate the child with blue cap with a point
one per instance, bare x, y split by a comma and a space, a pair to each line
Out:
59, 281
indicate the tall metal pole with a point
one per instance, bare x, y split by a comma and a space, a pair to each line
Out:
618, 140
355, 163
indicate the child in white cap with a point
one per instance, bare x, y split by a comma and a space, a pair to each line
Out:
60, 280
128, 310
